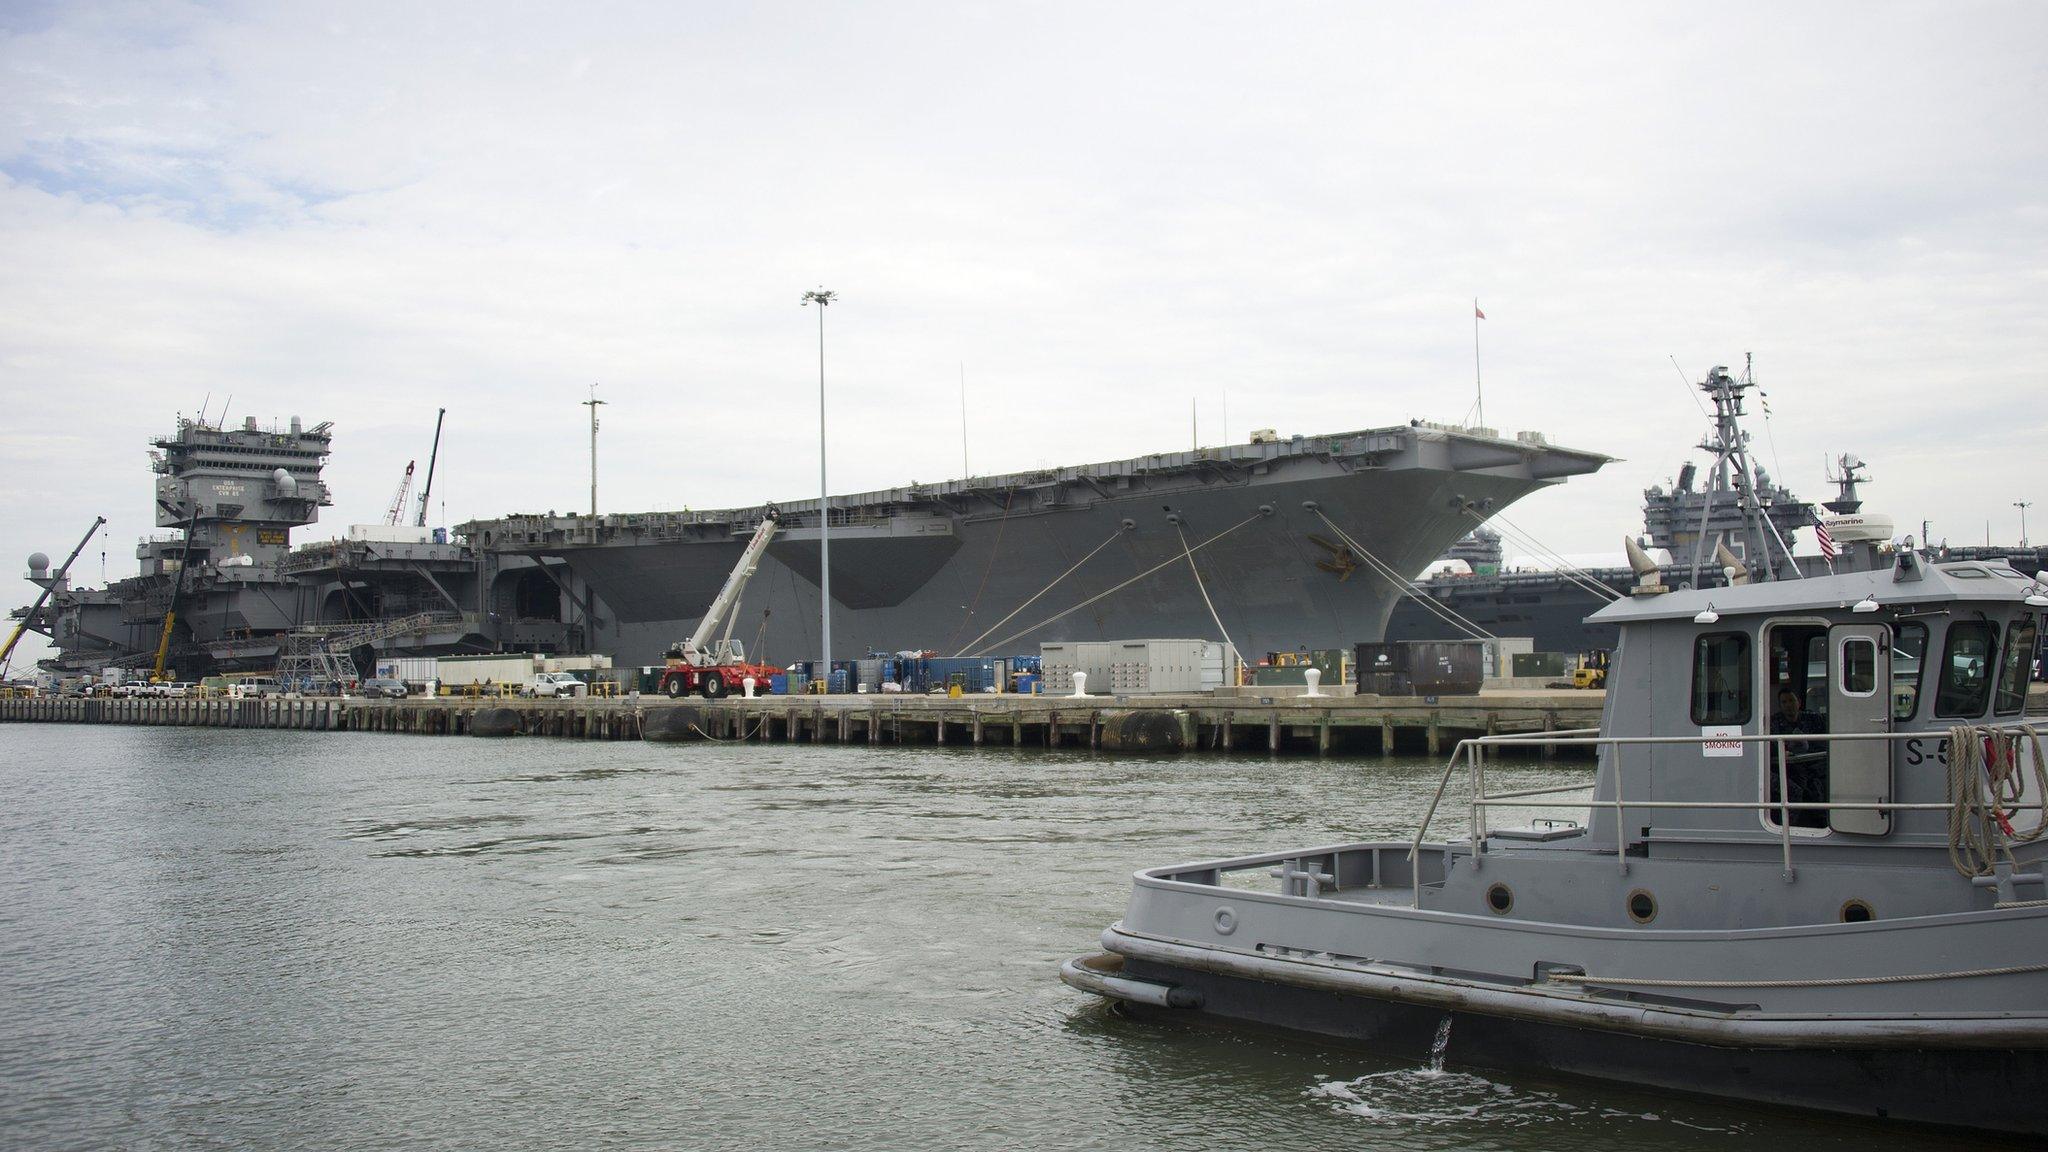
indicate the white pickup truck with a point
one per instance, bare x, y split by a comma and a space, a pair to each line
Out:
557, 684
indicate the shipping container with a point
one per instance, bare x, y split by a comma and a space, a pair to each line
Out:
970, 673
412, 669
1422, 667
1551, 664
390, 534
516, 669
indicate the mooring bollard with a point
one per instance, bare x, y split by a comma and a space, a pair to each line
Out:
747, 687
1314, 676
1080, 683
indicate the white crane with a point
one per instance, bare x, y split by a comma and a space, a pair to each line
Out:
696, 651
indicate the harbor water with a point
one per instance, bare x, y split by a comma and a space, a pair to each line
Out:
260, 939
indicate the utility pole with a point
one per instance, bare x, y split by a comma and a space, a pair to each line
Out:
591, 404
823, 299
2023, 505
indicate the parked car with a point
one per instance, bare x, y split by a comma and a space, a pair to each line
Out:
557, 684
253, 687
385, 688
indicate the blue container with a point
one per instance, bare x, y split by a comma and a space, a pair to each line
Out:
778, 685
1028, 683
971, 673
840, 681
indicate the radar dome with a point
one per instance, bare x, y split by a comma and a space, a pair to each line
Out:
37, 562
286, 486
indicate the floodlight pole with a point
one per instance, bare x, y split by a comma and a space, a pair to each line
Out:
823, 299
591, 404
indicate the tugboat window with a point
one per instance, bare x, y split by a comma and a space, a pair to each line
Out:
1859, 667
1966, 669
1720, 678
1909, 654
2012, 671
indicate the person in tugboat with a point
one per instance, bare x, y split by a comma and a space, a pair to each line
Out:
1806, 769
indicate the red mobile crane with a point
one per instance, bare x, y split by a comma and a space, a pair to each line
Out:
695, 665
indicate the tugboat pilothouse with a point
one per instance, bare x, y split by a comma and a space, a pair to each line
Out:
1810, 871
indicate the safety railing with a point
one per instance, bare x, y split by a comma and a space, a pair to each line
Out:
1472, 752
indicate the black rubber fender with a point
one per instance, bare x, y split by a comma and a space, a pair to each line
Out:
495, 722
673, 724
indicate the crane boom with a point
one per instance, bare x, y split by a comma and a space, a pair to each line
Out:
163, 643
7, 653
396, 512
694, 649
428, 489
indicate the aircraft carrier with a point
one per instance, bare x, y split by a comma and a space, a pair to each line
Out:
1239, 541
1272, 544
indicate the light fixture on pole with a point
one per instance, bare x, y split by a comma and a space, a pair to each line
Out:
591, 404
823, 299
2023, 505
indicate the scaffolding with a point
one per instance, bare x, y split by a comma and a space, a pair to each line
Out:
317, 659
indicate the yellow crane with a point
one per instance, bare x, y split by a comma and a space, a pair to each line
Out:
163, 643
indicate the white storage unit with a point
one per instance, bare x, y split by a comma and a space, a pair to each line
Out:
1499, 655
412, 669
1134, 667
1156, 667
390, 534
516, 669
1057, 665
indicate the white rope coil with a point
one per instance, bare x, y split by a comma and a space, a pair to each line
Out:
1980, 793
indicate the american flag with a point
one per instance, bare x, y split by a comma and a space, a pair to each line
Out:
1826, 542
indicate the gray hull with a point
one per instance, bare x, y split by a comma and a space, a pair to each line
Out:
935, 568
1987, 1089
1927, 1014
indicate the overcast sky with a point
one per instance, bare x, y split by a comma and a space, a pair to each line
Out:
366, 211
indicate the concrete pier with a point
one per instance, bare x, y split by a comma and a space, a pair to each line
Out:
1322, 726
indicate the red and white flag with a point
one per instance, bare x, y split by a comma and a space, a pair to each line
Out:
1476, 313
1826, 541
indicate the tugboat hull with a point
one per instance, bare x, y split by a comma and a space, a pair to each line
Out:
1986, 1087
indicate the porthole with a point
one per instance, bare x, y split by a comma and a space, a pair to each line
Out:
1642, 907
1500, 898
1858, 911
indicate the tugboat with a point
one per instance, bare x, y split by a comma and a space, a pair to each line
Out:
1811, 872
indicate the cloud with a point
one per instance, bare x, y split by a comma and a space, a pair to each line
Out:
362, 214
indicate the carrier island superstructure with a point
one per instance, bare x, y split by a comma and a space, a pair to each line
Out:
1275, 543
226, 499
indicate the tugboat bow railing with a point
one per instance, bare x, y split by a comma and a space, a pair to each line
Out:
1472, 752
